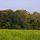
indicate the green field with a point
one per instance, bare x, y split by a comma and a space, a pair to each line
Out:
19, 34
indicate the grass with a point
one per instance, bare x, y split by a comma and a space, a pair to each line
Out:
19, 34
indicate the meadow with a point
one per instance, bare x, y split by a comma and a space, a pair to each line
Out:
19, 34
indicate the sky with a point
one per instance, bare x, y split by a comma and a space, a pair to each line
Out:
29, 5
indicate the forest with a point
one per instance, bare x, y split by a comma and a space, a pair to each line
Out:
19, 19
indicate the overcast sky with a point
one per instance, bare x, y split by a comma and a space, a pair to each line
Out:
30, 5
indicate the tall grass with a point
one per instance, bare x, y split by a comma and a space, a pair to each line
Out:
19, 34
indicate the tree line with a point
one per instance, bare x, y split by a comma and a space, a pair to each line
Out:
19, 19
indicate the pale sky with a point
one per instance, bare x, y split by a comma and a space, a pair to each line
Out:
29, 5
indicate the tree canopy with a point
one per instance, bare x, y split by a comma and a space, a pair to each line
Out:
19, 19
